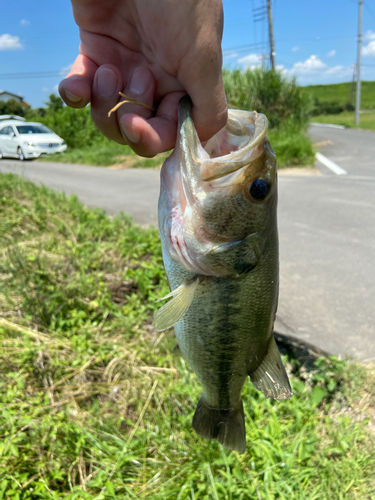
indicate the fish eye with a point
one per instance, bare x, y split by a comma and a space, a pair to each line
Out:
259, 189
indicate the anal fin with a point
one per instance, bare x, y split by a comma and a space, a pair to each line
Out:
270, 377
174, 310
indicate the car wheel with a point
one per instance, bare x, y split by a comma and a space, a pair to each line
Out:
21, 156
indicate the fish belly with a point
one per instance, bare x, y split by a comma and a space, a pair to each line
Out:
226, 331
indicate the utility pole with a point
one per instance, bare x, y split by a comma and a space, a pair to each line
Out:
359, 50
272, 42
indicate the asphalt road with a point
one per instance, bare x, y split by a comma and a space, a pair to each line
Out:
326, 226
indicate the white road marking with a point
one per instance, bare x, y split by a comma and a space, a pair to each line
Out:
330, 164
331, 125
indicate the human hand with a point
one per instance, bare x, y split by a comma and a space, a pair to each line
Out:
154, 51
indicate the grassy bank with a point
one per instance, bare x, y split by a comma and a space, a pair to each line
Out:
94, 405
106, 154
366, 120
342, 93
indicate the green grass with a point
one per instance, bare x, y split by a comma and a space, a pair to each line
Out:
343, 92
366, 120
106, 154
94, 405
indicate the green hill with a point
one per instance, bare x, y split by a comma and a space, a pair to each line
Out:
342, 93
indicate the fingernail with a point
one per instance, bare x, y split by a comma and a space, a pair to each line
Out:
140, 81
130, 134
106, 82
72, 97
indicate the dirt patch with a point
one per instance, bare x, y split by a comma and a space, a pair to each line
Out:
323, 143
120, 289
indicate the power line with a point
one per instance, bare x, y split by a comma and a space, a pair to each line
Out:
370, 11
245, 47
32, 74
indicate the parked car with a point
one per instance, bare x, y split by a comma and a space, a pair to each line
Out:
25, 140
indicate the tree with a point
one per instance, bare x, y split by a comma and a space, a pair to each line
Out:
11, 107
54, 103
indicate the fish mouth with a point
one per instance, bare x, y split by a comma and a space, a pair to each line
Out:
244, 134
232, 148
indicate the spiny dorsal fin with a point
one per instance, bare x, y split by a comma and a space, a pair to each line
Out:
270, 377
174, 310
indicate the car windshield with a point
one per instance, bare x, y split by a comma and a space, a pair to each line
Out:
32, 129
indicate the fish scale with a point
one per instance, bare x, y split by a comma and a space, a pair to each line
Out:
222, 267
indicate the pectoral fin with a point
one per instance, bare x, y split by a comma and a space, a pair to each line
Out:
270, 377
174, 310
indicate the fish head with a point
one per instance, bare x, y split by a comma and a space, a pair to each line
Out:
219, 206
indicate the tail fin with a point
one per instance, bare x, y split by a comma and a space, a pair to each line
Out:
227, 426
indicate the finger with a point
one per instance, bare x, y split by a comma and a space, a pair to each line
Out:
156, 135
75, 89
108, 82
201, 74
209, 105
141, 88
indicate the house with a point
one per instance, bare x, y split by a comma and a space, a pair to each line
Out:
5, 96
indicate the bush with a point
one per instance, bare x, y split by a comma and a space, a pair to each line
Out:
269, 92
330, 107
75, 126
12, 107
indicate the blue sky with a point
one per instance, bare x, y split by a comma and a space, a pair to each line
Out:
314, 40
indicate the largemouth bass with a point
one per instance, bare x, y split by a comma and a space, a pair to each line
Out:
218, 227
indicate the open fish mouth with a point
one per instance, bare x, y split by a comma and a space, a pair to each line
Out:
231, 149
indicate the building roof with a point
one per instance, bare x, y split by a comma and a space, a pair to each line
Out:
10, 93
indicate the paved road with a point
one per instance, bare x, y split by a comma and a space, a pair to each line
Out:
327, 237
134, 191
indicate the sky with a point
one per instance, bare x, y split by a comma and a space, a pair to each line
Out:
316, 41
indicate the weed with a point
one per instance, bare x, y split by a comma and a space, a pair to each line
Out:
94, 405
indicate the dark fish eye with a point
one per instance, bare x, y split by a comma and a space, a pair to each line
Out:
259, 189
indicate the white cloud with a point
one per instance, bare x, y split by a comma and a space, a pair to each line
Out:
281, 68
331, 53
369, 36
56, 88
313, 71
24, 22
311, 65
230, 55
251, 60
294, 49
45, 89
66, 70
369, 49
9, 42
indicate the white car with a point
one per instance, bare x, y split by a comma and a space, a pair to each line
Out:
25, 140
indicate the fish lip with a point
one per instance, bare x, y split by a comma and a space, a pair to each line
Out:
215, 168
